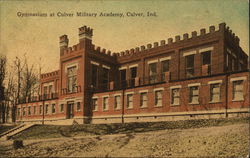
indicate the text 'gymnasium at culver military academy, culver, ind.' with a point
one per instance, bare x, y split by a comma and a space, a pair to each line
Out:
198, 76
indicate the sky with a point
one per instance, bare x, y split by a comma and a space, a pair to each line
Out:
38, 37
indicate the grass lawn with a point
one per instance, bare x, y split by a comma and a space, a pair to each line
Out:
4, 128
56, 131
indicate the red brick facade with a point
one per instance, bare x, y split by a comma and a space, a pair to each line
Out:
196, 75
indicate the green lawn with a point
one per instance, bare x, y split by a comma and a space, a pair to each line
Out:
4, 128
55, 131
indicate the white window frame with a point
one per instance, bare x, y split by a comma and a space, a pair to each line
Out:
107, 105
117, 106
242, 90
189, 94
141, 99
155, 92
171, 91
212, 94
127, 100
96, 107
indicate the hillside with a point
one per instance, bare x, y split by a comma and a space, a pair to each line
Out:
220, 138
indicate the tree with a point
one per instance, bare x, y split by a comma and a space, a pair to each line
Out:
2, 78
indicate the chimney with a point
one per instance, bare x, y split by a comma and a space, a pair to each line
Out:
63, 41
85, 37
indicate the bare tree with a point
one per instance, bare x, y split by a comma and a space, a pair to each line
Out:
30, 80
2, 78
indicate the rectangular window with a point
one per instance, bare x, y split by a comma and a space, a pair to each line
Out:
189, 66
40, 109
34, 108
71, 79
105, 78
46, 108
133, 74
129, 101
215, 92
53, 108
78, 106
50, 89
238, 90
18, 112
24, 111
158, 98
152, 73
206, 60
123, 78
144, 99
175, 96
29, 110
61, 107
45, 90
105, 103
194, 95
117, 102
94, 104
164, 68
94, 75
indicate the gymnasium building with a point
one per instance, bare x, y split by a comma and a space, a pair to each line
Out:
200, 75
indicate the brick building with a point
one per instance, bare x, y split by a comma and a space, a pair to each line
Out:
202, 75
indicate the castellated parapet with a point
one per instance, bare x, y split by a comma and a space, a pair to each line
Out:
185, 37
50, 75
87, 33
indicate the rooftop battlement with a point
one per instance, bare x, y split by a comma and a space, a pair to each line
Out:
50, 74
170, 41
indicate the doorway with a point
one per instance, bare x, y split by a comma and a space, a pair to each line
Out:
70, 110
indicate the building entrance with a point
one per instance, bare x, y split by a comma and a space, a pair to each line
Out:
70, 109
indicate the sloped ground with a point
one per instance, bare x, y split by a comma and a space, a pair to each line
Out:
4, 128
226, 140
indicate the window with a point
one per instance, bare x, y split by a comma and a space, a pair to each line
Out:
238, 90
40, 109
164, 68
18, 112
71, 79
227, 60
94, 104
105, 78
46, 109
50, 89
53, 110
129, 101
194, 95
61, 107
105, 103
133, 74
234, 65
206, 60
94, 75
45, 90
175, 96
34, 108
144, 99
215, 92
158, 98
24, 111
189, 66
123, 78
117, 102
152, 72
78, 106
29, 110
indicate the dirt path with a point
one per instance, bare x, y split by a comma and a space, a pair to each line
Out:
230, 140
